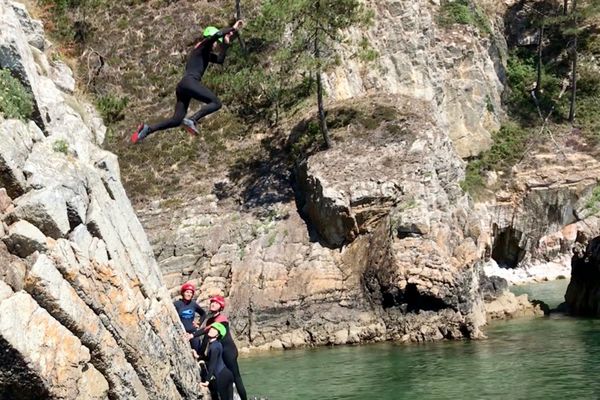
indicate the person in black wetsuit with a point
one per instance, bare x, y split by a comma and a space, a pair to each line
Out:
218, 374
230, 351
187, 310
190, 88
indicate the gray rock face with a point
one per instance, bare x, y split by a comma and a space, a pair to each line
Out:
390, 250
16, 142
24, 239
539, 221
33, 29
53, 356
456, 70
46, 209
54, 112
76, 269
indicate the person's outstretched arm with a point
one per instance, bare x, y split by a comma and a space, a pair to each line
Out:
229, 34
220, 34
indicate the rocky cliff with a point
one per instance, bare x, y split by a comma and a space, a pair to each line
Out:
379, 243
458, 70
372, 240
84, 313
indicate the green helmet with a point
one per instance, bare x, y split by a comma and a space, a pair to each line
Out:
211, 30
219, 327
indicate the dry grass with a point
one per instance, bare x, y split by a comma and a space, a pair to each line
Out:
137, 51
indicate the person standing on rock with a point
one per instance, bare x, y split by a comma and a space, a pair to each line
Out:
189, 87
218, 373
187, 310
230, 351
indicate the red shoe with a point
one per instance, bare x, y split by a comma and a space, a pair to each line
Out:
190, 127
140, 133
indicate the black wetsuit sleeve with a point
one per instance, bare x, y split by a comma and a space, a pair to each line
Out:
200, 311
214, 353
220, 58
209, 41
199, 332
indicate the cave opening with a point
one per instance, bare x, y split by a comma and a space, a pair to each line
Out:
507, 251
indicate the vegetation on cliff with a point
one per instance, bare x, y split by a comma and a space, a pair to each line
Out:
553, 81
15, 100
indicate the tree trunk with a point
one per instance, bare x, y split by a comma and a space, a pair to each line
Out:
565, 5
573, 82
573, 65
538, 83
322, 121
320, 106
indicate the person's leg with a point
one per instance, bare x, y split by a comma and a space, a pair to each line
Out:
180, 109
201, 93
212, 389
230, 360
225, 385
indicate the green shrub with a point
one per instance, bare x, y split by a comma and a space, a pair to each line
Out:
473, 182
366, 52
61, 146
15, 100
593, 203
521, 73
111, 108
509, 146
463, 13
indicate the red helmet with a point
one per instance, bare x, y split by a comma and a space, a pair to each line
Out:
188, 286
218, 299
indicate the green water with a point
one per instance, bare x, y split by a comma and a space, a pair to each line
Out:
552, 293
546, 358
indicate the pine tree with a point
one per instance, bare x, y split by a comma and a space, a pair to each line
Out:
310, 32
581, 21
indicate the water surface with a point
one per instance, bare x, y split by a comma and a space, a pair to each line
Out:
545, 358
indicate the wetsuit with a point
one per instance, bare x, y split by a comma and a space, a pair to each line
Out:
190, 88
218, 374
230, 353
187, 311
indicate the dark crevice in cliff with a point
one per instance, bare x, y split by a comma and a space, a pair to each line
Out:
74, 218
411, 300
506, 250
17, 381
94, 230
108, 189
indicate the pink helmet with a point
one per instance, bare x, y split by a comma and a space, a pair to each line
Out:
218, 299
188, 286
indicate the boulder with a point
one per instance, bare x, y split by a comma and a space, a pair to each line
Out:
46, 209
24, 239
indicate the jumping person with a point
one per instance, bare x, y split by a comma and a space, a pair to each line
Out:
217, 370
215, 41
187, 310
230, 351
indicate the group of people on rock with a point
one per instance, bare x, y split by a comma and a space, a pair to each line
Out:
211, 342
